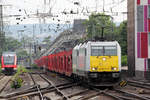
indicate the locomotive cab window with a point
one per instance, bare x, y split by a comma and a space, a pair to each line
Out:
96, 51
110, 51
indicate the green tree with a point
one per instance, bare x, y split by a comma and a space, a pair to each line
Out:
47, 40
97, 22
11, 44
21, 53
123, 37
26, 40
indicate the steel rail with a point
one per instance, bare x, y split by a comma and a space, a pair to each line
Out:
139, 84
37, 86
114, 96
78, 93
108, 94
57, 89
117, 97
131, 94
5, 84
43, 90
1, 77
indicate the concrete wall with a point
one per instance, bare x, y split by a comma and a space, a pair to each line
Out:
131, 38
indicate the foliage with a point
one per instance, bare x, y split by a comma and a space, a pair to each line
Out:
11, 44
16, 80
26, 40
0, 52
124, 60
47, 40
17, 83
21, 69
96, 22
34, 66
22, 53
14, 45
122, 38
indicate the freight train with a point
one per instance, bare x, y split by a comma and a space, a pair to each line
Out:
9, 62
94, 62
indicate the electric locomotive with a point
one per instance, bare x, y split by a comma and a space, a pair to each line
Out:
9, 62
97, 62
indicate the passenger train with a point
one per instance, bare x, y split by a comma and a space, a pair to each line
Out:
9, 62
94, 62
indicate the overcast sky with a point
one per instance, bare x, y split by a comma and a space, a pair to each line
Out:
29, 8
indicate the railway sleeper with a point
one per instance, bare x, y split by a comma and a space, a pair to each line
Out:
140, 83
43, 90
115, 96
130, 94
30, 89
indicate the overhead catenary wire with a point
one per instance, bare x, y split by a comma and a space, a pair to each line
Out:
79, 8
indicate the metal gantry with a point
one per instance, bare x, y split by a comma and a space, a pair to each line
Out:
2, 34
66, 36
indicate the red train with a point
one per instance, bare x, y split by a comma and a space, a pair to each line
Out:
60, 62
9, 62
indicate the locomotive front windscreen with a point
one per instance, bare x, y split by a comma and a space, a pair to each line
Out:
96, 51
9, 60
110, 51
103, 51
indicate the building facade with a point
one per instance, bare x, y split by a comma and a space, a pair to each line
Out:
139, 37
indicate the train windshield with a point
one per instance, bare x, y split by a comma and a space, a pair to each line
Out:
96, 51
9, 60
110, 51
103, 51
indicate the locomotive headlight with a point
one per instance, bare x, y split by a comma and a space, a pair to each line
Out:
104, 59
114, 68
94, 69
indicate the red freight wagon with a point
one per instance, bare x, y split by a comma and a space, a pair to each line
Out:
68, 62
60, 62
53, 62
45, 61
49, 62
60, 65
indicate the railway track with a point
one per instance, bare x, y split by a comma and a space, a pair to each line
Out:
139, 84
134, 90
44, 88
118, 94
1, 76
45, 93
125, 95
34, 92
38, 87
37, 90
4, 82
